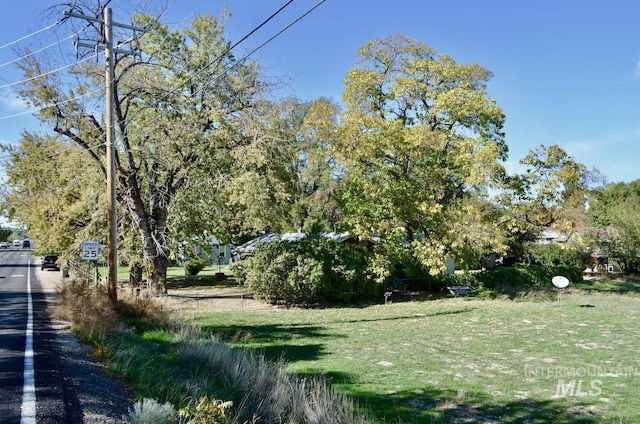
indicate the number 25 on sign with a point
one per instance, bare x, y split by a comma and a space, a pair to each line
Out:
90, 250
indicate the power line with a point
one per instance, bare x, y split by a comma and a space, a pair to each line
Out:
53, 71
35, 110
241, 60
31, 35
38, 109
224, 53
41, 49
214, 78
299, 18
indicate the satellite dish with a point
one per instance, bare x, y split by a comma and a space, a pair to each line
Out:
560, 282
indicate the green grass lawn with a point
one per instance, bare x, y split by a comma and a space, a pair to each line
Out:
531, 360
172, 272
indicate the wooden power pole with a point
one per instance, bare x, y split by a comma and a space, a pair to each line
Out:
112, 217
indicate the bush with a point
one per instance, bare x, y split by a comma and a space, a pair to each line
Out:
208, 410
194, 266
527, 277
505, 279
150, 411
554, 255
307, 272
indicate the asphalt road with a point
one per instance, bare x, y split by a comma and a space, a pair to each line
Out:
46, 376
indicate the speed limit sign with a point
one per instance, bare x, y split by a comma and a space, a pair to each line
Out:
90, 250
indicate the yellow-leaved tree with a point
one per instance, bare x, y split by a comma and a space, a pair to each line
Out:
419, 139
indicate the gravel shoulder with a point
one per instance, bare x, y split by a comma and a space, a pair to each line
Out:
91, 396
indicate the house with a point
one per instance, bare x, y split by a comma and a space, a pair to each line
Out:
552, 237
249, 247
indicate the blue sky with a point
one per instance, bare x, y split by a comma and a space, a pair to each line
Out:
566, 72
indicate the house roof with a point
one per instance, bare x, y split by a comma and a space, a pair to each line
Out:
250, 246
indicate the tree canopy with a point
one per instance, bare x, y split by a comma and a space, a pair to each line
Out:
614, 212
53, 189
413, 161
418, 136
177, 112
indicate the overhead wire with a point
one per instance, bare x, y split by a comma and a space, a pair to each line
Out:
31, 35
243, 58
31, 53
201, 70
87, 94
225, 52
237, 63
44, 48
90, 93
299, 18
53, 71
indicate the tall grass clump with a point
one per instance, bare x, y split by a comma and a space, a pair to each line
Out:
267, 391
89, 309
254, 389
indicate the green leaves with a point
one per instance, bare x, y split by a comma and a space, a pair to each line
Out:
615, 210
418, 135
54, 191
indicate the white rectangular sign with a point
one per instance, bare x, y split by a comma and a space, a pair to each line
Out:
90, 250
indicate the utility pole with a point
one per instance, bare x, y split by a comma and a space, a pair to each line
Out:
112, 217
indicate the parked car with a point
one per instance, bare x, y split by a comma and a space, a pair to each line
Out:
4, 245
50, 262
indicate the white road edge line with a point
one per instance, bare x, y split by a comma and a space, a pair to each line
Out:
28, 408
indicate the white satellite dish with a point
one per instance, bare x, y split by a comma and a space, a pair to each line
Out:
560, 282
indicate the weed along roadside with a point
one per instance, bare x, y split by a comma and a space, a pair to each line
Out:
501, 358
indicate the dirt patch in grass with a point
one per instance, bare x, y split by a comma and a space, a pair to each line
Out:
195, 294
193, 300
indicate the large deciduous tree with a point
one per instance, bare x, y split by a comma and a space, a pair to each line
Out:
615, 213
52, 187
419, 136
177, 108
284, 180
550, 194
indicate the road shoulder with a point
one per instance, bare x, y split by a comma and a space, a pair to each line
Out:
91, 395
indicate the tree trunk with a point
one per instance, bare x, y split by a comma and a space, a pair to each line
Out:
135, 277
153, 233
157, 274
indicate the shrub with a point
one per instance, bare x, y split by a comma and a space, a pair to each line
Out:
208, 410
150, 411
194, 266
554, 255
308, 271
530, 277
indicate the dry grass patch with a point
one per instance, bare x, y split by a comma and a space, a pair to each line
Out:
90, 310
